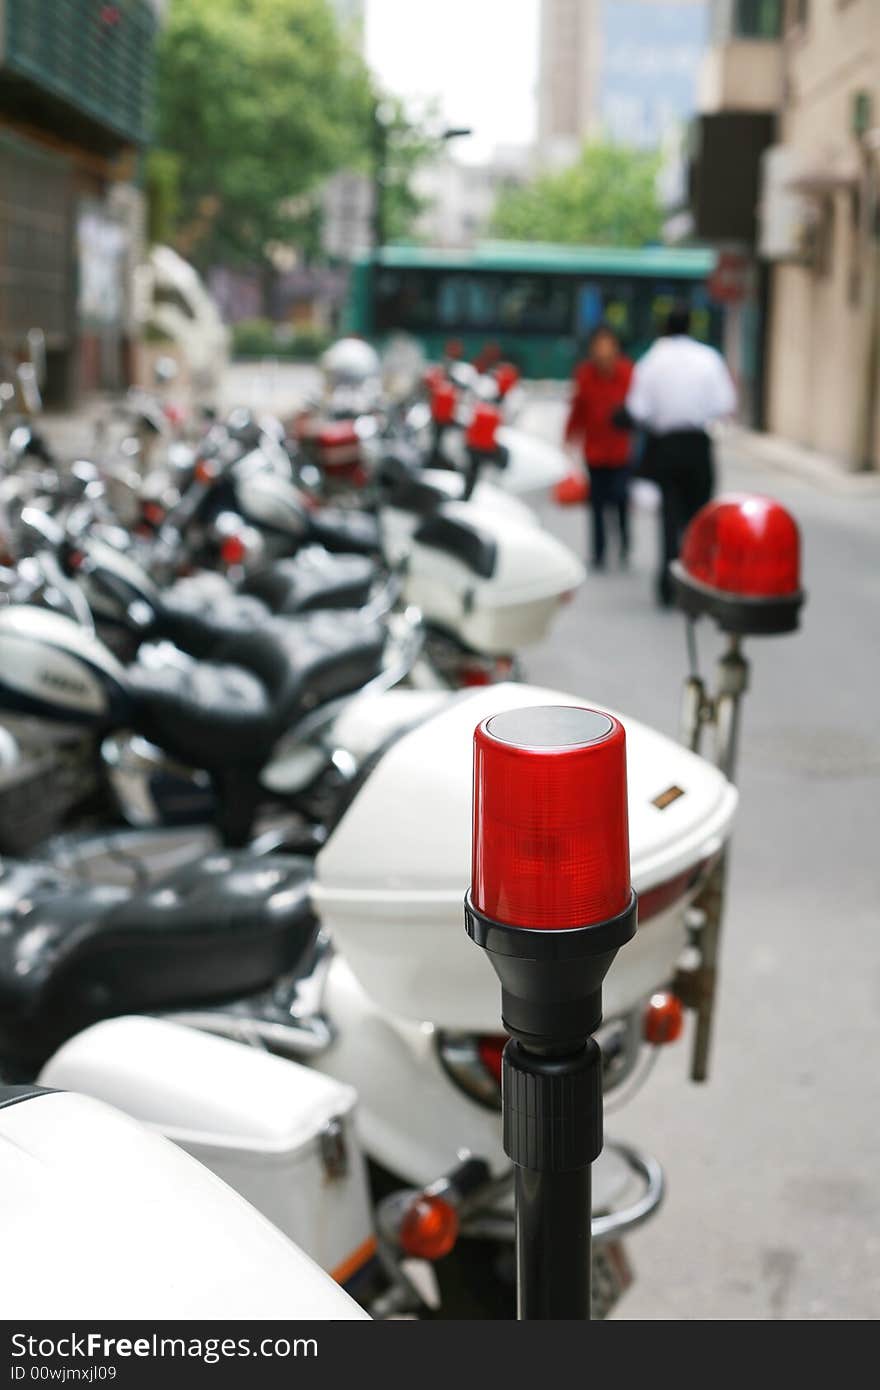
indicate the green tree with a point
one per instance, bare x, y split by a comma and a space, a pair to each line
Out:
403, 145
608, 197
258, 100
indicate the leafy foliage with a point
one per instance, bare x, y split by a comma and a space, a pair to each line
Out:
406, 146
608, 197
259, 100
163, 194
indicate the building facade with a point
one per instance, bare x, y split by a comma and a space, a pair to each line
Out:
459, 198
785, 175
75, 103
625, 69
824, 322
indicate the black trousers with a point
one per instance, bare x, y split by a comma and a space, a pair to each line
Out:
681, 464
609, 491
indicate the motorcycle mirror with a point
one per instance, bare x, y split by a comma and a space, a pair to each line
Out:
79, 520
36, 341
29, 388
41, 524
418, 417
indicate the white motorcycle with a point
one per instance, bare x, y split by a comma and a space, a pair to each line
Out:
387, 996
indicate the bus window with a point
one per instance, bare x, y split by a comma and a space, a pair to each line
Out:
534, 304
403, 300
609, 303
618, 317
465, 301
590, 309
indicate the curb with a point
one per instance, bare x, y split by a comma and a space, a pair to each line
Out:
769, 450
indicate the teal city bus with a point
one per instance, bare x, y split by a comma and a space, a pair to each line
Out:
535, 302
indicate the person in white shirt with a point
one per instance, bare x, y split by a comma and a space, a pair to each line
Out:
678, 389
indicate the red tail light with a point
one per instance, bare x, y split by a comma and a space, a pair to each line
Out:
482, 432
550, 829
490, 1047
338, 434
429, 1228
474, 675
205, 471
664, 1019
233, 551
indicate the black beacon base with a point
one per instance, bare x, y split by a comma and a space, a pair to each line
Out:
551, 984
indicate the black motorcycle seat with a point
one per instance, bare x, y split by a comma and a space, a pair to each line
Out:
463, 540
333, 651
414, 495
230, 711
203, 610
344, 531
72, 953
205, 712
313, 579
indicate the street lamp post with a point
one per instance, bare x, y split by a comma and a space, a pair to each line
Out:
382, 119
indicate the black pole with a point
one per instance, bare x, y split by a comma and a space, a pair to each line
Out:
553, 1278
552, 1117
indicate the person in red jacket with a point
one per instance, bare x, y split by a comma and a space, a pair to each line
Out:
601, 384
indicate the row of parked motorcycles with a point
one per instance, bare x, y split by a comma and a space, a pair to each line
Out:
241, 663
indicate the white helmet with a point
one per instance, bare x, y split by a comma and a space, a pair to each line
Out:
350, 362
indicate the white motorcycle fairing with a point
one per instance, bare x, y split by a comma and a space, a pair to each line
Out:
281, 1135
103, 1219
495, 613
397, 525
390, 882
532, 465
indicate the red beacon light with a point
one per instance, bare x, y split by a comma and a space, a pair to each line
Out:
551, 836
740, 564
482, 432
551, 899
443, 402
506, 377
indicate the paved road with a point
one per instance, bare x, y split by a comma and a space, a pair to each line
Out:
773, 1207
774, 1181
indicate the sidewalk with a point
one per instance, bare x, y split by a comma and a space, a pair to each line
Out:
755, 449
